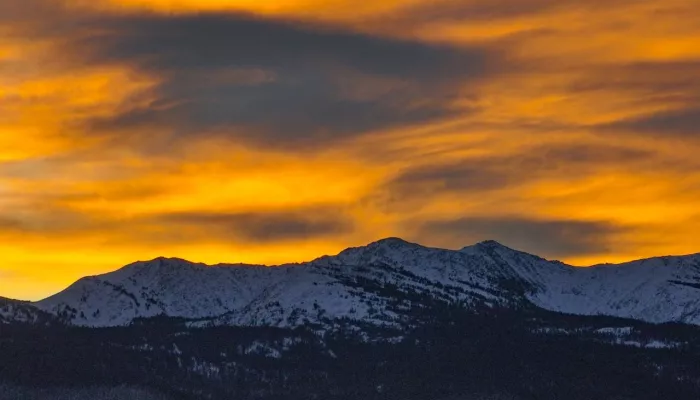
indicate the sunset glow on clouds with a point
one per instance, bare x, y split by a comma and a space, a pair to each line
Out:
270, 132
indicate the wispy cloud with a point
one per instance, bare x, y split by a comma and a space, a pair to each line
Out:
555, 238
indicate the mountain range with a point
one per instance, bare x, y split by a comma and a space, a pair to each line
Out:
348, 287
387, 321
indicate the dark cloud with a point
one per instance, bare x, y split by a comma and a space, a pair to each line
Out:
468, 175
456, 11
46, 220
260, 227
13, 12
275, 83
550, 238
682, 124
262, 81
642, 78
579, 155
673, 84
206, 41
418, 17
478, 174
9, 224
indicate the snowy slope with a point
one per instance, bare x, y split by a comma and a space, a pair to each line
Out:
654, 290
246, 295
14, 311
378, 284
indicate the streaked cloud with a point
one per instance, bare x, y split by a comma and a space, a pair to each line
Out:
185, 227
558, 238
684, 123
502, 170
259, 227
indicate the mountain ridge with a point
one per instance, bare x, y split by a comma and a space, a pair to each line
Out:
23, 312
378, 284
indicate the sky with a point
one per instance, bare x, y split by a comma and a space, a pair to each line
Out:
278, 131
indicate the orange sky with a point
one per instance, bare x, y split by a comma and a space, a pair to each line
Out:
267, 132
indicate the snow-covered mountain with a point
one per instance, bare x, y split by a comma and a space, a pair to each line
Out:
380, 284
14, 311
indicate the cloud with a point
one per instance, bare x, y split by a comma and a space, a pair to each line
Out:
259, 227
261, 81
48, 220
9, 224
13, 12
662, 97
469, 10
649, 77
206, 41
547, 237
272, 82
467, 175
499, 171
681, 123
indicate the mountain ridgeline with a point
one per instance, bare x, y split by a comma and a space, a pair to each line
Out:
375, 284
390, 320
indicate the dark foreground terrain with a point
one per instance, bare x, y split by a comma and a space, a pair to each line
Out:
11, 392
449, 353
389, 321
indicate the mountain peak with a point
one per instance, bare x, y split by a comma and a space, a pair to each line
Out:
387, 247
391, 242
492, 244
486, 245
390, 245
168, 260
154, 267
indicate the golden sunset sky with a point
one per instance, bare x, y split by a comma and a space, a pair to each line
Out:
278, 131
